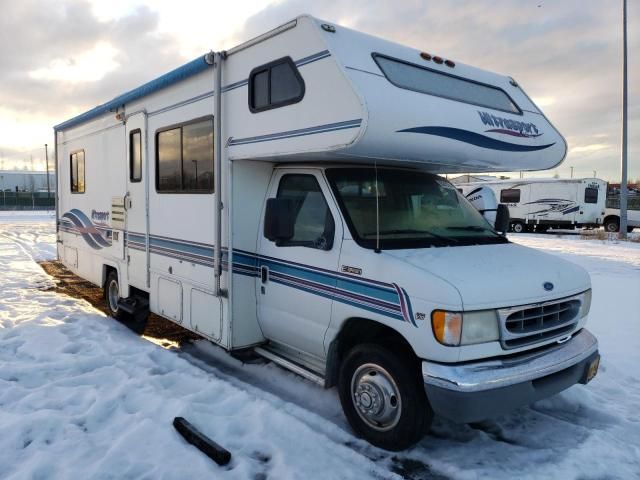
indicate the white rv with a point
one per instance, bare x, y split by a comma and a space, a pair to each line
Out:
282, 197
548, 203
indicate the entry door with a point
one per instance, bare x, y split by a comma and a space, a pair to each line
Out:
135, 201
297, 278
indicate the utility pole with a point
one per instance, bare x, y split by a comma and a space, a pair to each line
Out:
571, 171
594, 174
623, 181
46, 159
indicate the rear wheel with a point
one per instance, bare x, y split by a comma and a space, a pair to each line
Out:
112, 295
612, 225
136, 321
383, 397
517, 227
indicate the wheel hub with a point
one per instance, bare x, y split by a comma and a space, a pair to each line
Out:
376, 397
114, 296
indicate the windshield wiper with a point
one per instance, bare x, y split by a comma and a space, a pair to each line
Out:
473, 228
410, 230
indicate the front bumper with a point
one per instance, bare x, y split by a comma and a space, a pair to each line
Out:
475, 391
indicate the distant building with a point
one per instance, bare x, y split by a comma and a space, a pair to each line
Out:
26, 181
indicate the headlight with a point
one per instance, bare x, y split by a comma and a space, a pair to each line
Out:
479, 327
468, 328
585, 304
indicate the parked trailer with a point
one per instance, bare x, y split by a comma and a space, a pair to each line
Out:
549, 203
282, 197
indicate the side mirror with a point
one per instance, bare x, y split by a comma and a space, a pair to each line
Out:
278, 219
502, 218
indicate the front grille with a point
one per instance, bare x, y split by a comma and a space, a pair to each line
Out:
535, 323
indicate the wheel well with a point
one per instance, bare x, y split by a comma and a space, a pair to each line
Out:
361, 330
106, 269
611, 217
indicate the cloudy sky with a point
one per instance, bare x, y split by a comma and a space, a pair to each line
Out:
61, 57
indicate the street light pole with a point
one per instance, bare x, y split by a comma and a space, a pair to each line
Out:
623, 181
46, 158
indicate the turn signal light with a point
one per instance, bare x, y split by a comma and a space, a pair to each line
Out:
447, 327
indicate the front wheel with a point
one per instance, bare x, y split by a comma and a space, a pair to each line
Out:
383, 397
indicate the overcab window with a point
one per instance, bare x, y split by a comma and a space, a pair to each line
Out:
77, 171
274, 85
184, 158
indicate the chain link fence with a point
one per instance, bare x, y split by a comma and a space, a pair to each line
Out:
27, 201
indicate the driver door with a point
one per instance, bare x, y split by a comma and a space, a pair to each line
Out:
297, 277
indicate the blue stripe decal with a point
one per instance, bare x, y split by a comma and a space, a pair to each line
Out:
330, 127
571, 210
371, 295
475, 139
76, 222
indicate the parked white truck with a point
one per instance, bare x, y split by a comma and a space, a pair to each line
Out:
611, 220
548, 202
282, 197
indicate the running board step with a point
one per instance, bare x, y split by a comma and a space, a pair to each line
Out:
133, 305
289, 365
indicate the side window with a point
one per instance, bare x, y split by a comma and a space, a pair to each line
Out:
77, 172
511, 195
135, 155
184, 158
313, 226
590, 195
274, 85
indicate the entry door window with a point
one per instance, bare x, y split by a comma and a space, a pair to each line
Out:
135, 155
314, 226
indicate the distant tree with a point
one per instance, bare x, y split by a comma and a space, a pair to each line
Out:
556, 175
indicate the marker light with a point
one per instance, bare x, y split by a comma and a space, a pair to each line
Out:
449, 63
447, 327
425, 56
585, 304
438, 60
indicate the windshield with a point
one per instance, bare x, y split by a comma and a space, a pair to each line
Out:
416, 209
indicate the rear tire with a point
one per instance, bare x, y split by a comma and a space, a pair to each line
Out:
517, 227
112, 295
136, 322
383, 397
612, 225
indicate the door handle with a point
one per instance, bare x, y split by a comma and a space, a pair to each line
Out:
264, 274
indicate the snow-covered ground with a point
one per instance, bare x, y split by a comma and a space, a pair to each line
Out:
83, 397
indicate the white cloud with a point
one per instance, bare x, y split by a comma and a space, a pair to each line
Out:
89, 66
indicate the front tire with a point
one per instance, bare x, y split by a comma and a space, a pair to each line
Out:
383, 397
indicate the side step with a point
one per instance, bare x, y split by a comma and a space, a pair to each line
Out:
289, 365
133, 305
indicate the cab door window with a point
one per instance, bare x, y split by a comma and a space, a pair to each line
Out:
313, 225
